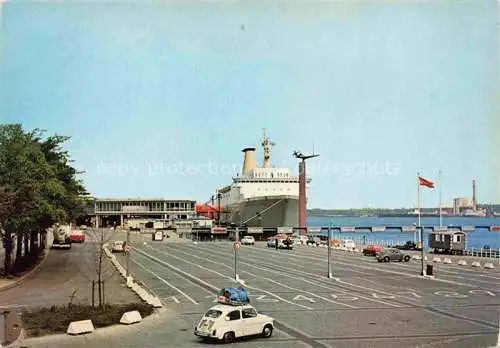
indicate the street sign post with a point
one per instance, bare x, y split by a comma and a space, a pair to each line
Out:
236, 247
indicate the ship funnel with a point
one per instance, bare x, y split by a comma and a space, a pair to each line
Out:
249, 161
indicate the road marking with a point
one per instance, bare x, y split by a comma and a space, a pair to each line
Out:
382, 296
450, 294
384, 270
262, 298
303, 298
315, 283
173, 298
343, 297
212, 271
184, 278
167, 283
269, 279
481, 292
411, 292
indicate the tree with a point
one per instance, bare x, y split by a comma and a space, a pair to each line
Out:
38, 187
98, 263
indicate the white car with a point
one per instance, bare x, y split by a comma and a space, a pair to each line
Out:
248, 240
117, 246
348, 244
227, 322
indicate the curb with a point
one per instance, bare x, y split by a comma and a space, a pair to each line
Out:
27, 341
25, 277
144, 294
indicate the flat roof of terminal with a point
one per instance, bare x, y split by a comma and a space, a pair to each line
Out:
140, 199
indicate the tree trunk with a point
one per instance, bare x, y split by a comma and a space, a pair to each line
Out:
26, 245
19, 249
8, 245
33, 244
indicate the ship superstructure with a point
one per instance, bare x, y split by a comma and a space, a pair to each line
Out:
261, 196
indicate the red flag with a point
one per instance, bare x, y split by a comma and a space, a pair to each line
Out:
425, 182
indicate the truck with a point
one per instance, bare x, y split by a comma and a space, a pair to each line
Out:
61, 235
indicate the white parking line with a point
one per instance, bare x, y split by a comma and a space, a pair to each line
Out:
167, 283
215, 272
387, 271
315, 283
272, 280
444, 269
186, 279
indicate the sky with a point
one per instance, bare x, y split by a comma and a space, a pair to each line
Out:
159, 98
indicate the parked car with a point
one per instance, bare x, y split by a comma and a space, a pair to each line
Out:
393, 254
348, 244
117, 246
282, 243
372, 250
314, 241
227, 323
248, 240
77, 236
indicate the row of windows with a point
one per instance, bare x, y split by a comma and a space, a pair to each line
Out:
273, 175
227, 195
456, 238
246, 313
145, 206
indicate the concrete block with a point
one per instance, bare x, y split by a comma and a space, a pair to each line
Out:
436, 259
417, 257
462, 263
489, 265
80, 327
155, 302
130, 317
130, 281
476, 264
447, 261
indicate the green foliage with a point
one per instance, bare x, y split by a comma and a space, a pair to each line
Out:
38, 185
52, 320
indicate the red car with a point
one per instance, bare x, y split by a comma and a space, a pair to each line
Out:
77, 236
372, 250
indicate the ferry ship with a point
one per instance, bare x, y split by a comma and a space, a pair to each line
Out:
260, 196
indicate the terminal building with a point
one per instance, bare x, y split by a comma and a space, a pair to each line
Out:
121, 211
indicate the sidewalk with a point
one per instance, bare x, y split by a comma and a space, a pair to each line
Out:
162, 329
62, 274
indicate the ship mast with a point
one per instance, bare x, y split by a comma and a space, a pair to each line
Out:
266, 144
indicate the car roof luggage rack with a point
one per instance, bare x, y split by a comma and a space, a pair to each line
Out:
233, 296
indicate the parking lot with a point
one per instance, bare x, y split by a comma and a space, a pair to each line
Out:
365, 304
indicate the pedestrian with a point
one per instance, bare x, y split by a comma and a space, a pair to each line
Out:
276, 244
124, 248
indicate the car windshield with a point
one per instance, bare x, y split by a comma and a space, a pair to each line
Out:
212, 313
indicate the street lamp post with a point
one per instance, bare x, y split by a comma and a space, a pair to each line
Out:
237, 237
329, 250
128, 252
422, 272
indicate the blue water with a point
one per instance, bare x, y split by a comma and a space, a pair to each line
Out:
476, 239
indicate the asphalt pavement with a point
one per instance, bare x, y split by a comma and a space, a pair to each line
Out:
365, 304
67, 274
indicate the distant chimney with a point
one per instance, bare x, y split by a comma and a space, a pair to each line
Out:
249, 161
474, 203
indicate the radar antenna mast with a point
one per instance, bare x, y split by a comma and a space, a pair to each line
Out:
266, 144
302, 189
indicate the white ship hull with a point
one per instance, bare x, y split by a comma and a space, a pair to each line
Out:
275, 211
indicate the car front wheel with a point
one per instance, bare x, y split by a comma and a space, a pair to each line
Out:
228, 337
407, 258
267, 331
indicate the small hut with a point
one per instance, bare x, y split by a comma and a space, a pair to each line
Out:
447, 242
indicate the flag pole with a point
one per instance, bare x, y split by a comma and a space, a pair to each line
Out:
440, 201
420, 228
418, 206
